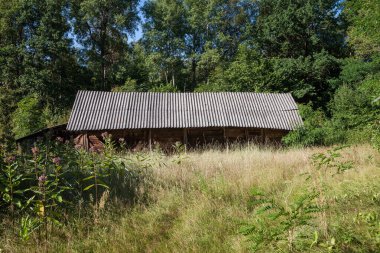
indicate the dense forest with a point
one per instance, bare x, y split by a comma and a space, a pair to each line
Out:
325, 52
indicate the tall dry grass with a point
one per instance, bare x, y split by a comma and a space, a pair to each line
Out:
199, 200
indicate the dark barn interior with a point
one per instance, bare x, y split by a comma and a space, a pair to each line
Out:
140, 139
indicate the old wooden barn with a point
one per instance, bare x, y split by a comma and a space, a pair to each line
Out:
146, 119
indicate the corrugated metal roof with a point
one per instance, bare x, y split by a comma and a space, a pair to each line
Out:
97, 110
42, 132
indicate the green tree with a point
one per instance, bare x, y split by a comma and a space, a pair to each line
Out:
288, 28
363, 32
51, 67
37, 55
187, 37
309, 79
133, 71
6, 109
164, 32
28, 117
354, 108
354, 111
303, 40
247, 72
313, 132
216, 29
103, 27
12, 34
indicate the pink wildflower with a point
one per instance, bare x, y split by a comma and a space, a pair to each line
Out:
57, 160
42, 179
106, 135
35, 150
78, 147
94, 149
10, 159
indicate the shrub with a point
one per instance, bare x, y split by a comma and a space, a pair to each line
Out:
39, 189
297, 223
317, 130
277, 226
28, 116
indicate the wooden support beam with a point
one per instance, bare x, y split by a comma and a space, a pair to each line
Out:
225, 139
185, 138
85, 141
247, 136
150, 139
262, 134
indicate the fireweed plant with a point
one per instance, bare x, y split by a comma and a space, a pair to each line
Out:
41, 189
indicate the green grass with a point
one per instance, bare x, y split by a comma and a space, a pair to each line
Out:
200, 204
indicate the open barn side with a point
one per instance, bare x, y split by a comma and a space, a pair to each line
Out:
148, 139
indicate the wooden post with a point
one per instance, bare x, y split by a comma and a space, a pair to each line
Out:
225, 139
150, 139
19, 148
185, 138
247, 136
85, 141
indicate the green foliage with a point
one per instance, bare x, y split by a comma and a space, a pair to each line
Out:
200, 203
51, 49
103, 28
313, 132
28, 116
363, 32
356, 70
299, 28
136, 70
352, 115
129, 85
27, 226
51, 67
11, 189
277, 226
247, 72
371, 220
187, 36
360, 231
308, 78
354, 111
165, 88
6, 109
37, 59
297, 225
330, 162
31, 116
39, 190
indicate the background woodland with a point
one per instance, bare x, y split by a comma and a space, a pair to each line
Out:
325, 52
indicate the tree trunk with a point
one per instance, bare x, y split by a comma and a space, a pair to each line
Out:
166, 76
103, 50
194, 73
103, 67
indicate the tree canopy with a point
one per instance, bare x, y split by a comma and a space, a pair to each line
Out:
324, 52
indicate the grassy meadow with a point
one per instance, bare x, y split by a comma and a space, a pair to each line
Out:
200, 202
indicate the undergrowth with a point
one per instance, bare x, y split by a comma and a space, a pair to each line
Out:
249, 199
